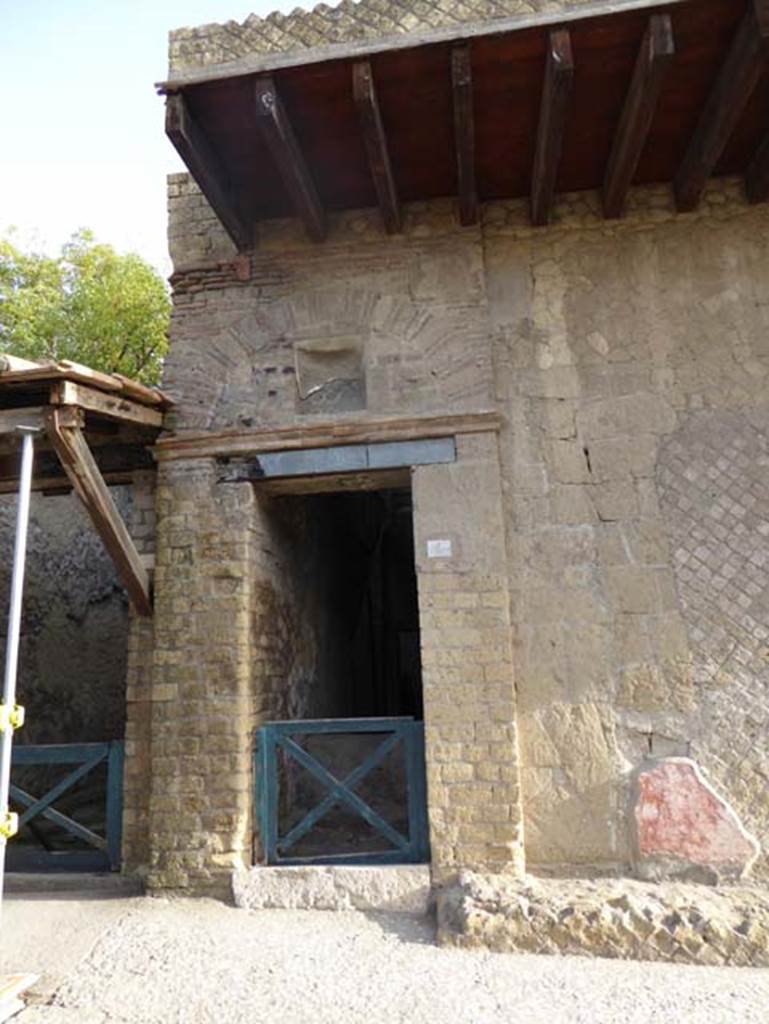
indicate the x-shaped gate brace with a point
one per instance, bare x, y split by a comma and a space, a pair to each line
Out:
278, 735
87, 756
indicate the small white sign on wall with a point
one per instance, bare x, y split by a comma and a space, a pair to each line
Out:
439, 548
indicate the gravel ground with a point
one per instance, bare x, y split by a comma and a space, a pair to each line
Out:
196, 962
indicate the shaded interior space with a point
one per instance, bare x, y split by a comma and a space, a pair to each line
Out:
72, 678
59, 840
362, 597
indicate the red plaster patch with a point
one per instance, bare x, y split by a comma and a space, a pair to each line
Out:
679, 816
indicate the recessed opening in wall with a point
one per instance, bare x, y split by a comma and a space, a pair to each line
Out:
356, 755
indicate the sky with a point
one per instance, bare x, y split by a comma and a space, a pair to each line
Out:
82, 142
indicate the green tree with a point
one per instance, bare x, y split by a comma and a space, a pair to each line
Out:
89, 304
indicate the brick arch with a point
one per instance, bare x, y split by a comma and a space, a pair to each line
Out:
414, 358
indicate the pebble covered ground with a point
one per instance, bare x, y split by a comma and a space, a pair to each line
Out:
163, 961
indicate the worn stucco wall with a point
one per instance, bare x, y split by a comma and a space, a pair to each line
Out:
75, 620
629, 361
631, 364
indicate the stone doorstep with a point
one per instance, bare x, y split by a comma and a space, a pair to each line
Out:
72, 885
399, 889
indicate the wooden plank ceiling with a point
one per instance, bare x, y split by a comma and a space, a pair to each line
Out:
666, 94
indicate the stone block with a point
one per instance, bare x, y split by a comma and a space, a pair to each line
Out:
617, 918
403, 888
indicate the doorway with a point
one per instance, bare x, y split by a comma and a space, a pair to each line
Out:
344, 782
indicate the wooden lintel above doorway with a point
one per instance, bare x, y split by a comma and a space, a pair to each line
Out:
325, 434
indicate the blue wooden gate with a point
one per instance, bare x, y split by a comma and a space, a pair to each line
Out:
403, 735
101, 852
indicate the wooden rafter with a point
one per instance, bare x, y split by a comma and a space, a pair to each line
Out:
87, 481
744, 64
375, 141
556, 91
654, 60
205, 167
280, 139
464, 132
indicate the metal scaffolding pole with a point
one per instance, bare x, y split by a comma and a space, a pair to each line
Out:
11, 716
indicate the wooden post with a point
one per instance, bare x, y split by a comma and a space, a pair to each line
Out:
87, 481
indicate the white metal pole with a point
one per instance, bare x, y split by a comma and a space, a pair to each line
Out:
14, 630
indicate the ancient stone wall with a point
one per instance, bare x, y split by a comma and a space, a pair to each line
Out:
72, 659
314, 331
474, 796
629, 361
631, 364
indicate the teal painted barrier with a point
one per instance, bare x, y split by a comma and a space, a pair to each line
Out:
104, 852
401, 735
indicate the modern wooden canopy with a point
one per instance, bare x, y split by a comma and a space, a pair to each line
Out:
672, 92
96, 429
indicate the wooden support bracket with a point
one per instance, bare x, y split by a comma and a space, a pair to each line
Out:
204, 166
655, 58
745, 62
87, 481
375, 141
280, 139
556, 91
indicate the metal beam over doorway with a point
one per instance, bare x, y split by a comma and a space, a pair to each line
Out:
341, 459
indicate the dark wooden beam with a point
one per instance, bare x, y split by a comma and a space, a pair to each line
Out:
87, 481
281, 141
204, 166
654, 60
738, 77
556, 91
464, 132
375, 141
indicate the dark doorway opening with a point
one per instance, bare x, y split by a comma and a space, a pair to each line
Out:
373, 589
359, 726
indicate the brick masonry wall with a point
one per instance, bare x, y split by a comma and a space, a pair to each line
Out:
415, 307
621, 355
201, 708
137, 769
467, 673
233, 642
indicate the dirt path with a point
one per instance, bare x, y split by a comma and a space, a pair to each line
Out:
148, 961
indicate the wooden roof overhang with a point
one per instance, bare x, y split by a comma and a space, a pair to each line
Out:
619, 94
95, 430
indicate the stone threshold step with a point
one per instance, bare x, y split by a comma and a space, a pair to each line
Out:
399, 889
72, 885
